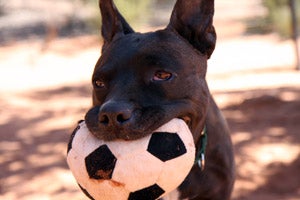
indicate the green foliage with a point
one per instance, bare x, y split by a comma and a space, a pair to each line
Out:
134, 11
279, 16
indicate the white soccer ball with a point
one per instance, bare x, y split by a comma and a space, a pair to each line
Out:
147, 168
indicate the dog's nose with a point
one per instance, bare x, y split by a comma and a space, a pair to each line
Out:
115, 113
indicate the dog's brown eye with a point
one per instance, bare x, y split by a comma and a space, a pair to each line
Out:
99, 83
162, 75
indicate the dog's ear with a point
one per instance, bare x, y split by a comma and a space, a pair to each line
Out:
113, 23
193, 20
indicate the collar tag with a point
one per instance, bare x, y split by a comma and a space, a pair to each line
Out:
201, 162
200, 156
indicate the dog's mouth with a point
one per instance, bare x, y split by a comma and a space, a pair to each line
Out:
139, 125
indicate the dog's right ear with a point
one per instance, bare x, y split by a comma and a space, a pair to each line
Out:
193, 20
113, 23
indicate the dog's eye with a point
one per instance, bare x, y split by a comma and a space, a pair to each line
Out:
162, 76
99, 84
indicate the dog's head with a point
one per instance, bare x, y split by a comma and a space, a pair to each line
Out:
142, 81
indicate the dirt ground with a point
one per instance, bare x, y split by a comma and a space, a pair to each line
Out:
46, 90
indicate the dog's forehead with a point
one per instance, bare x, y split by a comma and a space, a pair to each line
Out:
161, 46
145, 41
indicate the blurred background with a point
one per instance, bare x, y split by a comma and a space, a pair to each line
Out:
48, 49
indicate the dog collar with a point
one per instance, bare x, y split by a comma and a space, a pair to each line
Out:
200, 156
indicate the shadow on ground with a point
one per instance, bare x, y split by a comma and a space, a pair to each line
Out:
34, 131
265, 129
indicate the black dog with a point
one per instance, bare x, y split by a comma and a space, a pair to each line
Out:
142, 81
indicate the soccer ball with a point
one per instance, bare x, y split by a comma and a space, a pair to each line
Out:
147, 168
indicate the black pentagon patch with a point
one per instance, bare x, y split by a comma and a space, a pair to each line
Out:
86, 192
100, 163
71, 138
149, 193
166, 146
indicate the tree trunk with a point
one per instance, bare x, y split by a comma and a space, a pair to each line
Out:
292, 5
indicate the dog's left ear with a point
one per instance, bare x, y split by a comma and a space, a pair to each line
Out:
193, 20
113, 23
